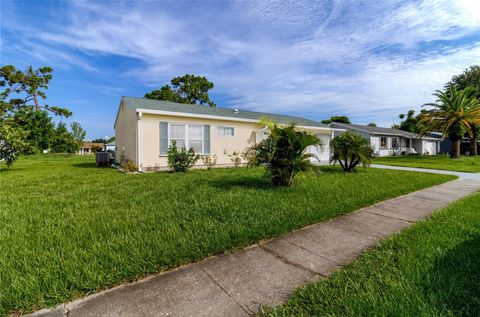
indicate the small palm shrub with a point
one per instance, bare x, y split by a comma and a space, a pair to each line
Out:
209, 161
283, 153
183, 160
351, 149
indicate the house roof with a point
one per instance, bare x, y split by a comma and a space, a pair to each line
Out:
378, 130
149, 104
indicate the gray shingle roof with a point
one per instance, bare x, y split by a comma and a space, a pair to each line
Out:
375, 130
143, 103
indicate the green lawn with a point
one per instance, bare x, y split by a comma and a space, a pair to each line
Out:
68, 228
432, 269
441, 162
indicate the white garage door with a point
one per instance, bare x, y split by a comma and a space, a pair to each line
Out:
323, 156
430, 147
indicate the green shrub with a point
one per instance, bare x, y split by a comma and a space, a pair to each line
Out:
129, 166
350, 149
283, 153
183, 160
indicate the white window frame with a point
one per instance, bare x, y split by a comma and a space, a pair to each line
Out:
187, 139
397, 141
225, 135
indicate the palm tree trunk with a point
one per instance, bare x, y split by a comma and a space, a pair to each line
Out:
473, 146
455, 148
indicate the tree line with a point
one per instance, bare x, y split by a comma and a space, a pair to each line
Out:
26, 125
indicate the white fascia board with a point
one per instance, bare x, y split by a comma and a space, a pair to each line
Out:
206, 116
407, 137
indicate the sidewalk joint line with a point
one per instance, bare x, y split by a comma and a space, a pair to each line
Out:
286, 261
323, 257
223, 289
391, 217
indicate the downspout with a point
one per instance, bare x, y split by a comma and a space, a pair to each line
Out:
330, 155
139, 117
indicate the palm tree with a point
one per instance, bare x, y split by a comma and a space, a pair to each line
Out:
454, 113
283, 153
351, 149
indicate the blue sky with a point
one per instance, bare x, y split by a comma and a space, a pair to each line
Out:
370, 60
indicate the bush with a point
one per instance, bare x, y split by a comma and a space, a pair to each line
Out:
12, 143
283, 153
350, 149
96, 148
129, 166
183, 160
235, 157
209, 161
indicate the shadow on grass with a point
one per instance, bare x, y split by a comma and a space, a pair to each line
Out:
242, 181
455, 279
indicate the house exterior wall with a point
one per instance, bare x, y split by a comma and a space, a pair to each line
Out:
245, 135
126, 135
375, 143
426, 147
416, 144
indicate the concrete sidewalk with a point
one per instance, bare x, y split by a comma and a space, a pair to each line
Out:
461, 175
239, 283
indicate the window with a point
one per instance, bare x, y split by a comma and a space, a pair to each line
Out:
394, 143
195, 138
186, 135
383, 142
407, 143
177, 134
225, 131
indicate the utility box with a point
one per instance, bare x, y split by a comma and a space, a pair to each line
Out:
104, 159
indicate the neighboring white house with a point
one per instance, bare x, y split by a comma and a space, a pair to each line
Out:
109, 147
144, 129
89, 148
387, 141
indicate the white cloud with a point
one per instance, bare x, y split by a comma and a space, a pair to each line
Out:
370, 60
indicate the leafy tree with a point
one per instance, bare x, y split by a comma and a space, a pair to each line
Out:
38, 127
349, 150
189, 89
63, 142
283, 153
410, 122
78, 133
371, 124
183, 160
338, 119
469, 78
454, 113
96, 148
27, 86
99, 140
12, 142
22, 93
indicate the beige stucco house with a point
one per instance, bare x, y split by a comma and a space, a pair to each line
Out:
145, 128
